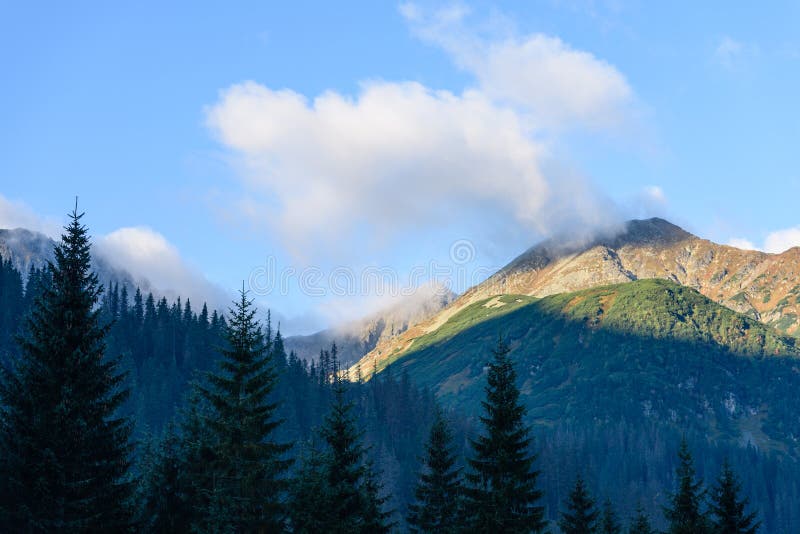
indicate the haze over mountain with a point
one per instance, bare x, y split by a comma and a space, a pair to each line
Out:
357, 338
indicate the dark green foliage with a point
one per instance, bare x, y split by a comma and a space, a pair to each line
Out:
11, 300
580, 515
438, 493
684, 512
502, 494
609, 522
640, 524
344, 468
248, 465
377, 519
65, 449
728, 509
346, 494
166, 503
613, 376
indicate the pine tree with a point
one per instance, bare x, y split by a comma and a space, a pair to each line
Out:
609, 522
438, 492
66, 450
502, 493
249, 466
640, 523
727, 509
580, 516
684, 512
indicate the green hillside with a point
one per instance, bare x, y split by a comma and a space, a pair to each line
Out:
645, 352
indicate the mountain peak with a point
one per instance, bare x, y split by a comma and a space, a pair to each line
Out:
650, 231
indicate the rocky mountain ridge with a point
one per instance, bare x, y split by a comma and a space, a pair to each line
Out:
763, 286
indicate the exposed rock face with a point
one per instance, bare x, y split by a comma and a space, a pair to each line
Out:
763, 286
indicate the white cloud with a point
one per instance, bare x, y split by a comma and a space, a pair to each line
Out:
156, 263
559, 85
742, 243
774, 243
399, 156
781, 240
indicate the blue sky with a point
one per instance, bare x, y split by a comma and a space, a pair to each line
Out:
207, 141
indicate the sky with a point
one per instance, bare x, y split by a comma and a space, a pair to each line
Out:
308, 149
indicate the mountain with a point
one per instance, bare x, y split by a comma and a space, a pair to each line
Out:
765, 287
357, 338
623, 346
614, 376
648, 349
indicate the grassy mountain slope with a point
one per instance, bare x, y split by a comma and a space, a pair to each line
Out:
643, 352
765, 287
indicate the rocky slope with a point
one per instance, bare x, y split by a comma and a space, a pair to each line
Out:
358, 338
763, 286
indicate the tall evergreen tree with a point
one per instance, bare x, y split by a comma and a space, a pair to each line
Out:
165, 494
249, 466
347, 498
640, 524
502, 495
684, 513
580, 516
609, 522
728, 510
66, 450
438, 492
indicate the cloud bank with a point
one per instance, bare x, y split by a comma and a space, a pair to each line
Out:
774, 243
398, 157
156, 263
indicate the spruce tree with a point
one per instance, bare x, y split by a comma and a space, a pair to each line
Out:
344, 469
346, 493
67, 452
728, 511
249, 464
640, 523
310, 507
438, 491
609, 522
502, 494
165, 494
684, 513
580, 516
376, 519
